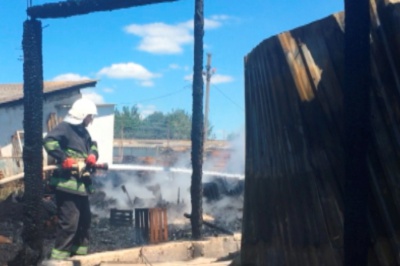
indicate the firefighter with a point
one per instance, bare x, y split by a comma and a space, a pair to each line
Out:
71, 145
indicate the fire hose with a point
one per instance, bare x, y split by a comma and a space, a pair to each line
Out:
100, 166
119, 167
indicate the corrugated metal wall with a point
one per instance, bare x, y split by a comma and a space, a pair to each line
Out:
294, 143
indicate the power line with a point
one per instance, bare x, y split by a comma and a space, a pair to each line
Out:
181, 90
158, 97
226, 96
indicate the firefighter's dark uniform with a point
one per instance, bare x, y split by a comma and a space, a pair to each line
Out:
71, 189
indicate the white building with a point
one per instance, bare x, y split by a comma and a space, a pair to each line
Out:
58, 98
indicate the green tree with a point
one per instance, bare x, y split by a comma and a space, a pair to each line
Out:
126, 122
231, 136
174, 125
179, 124
154, 126
210, 133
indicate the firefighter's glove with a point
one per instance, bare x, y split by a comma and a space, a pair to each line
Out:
68, 163
91, 160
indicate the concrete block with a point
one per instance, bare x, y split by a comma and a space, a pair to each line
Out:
171, 251
184, 252
216, 247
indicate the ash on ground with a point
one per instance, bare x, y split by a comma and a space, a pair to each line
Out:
222, 207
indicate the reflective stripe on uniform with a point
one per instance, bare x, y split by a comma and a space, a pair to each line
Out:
59, 254
94, 148
51, 145
79, 250
69, 184
74, 154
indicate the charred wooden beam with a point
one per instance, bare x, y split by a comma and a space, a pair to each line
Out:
129, 197
357, 124
79, 7
197, 136
216, 227
32, 233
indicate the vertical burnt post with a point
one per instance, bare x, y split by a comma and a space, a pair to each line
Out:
197, 134
357, 129
32, 233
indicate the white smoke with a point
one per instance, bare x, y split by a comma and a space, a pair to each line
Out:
174, 187
236, 163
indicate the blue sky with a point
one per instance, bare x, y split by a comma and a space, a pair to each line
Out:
144, 55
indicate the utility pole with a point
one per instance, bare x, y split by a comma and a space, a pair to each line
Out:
121, 147
208, 74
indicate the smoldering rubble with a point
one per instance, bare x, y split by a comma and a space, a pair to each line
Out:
222, 207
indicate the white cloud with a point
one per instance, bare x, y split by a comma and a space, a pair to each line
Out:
220, 17
188, 77
178, 67
174, 66
108, 90
162, 38
209, 23
92, 95
129, 71
147, 83
215, 79
146, 110
69, 77
218, 79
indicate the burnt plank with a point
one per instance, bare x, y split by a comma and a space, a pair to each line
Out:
71, 8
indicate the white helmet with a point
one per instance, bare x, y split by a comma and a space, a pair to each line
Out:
80, 110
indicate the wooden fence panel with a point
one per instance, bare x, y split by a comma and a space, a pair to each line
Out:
293, 207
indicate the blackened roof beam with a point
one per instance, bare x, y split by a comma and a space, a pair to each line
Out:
70, 8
